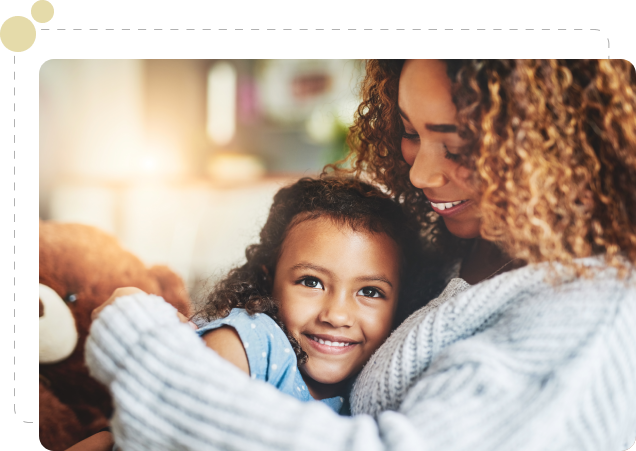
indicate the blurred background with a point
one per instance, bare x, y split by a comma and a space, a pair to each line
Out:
180, 158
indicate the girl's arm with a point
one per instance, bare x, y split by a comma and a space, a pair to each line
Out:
225, 341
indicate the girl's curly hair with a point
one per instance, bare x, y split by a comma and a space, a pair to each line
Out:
348, 202
552, 144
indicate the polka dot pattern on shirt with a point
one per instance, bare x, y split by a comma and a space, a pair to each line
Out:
269, 353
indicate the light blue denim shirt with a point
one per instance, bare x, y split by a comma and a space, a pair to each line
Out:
270, 355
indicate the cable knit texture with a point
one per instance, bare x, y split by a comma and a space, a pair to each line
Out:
514, 362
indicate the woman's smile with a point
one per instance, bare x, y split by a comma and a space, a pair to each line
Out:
449, 208
431, 143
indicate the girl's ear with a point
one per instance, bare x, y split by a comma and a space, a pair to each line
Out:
267, 277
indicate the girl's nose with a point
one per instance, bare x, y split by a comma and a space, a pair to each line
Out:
427, 170
338, 311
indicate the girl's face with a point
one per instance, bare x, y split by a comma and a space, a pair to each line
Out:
430, 144
338, 291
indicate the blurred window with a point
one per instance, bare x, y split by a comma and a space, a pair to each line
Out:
221, 123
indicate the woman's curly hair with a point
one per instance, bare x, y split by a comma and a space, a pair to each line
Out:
552, 144
347, 202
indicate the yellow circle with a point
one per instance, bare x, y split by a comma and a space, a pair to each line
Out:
17, 33
42, 11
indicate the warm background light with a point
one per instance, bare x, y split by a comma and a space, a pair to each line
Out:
180, 158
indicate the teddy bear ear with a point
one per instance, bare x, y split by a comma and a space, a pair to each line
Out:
58, 332
172, 287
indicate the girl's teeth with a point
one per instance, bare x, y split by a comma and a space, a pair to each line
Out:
330, 343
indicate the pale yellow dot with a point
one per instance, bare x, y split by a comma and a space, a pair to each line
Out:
42, 11
17, 33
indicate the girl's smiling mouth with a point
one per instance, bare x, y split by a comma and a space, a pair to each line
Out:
329, 344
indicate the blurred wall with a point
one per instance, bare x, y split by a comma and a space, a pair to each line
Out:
124, 147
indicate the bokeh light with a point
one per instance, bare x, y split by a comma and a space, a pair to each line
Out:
180, 159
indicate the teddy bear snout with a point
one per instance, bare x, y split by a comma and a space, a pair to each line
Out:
58, 332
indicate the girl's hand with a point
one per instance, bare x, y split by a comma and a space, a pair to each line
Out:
119, 292
125, 291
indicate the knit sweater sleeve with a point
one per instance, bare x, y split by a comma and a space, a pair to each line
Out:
512, 363
508, 364
171, 392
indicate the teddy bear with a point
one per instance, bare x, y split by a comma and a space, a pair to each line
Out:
80, 267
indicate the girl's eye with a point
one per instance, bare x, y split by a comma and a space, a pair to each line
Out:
370, 292
311, 282
410, 136
451, 156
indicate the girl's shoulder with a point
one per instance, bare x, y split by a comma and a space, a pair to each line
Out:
269, 353
239, 317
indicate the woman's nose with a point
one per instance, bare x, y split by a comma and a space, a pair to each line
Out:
337, 311
427, 171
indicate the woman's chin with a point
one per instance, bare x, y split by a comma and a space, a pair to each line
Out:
466, 229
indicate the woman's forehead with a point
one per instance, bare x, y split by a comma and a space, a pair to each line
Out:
424, 92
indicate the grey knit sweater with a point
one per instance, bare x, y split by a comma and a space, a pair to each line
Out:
514, 362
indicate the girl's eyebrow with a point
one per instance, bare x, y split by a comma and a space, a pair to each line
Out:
378, 278
303, 265
439, 128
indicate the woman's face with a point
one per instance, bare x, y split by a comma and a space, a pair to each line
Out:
430, 144
337, 290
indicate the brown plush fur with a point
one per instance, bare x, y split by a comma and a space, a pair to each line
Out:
82, 260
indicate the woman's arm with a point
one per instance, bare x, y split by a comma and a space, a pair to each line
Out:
172, 393
102, 441
543, 369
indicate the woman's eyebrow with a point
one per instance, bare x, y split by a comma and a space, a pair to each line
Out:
439, 128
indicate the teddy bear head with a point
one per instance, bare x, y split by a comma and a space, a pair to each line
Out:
80, 267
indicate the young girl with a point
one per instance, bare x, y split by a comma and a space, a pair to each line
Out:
333, 272
338, 266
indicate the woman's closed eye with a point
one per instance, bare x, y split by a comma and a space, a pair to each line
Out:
311, 282
370, 292
447, 153
451, 156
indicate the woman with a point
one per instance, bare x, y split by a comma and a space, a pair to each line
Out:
510, 164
